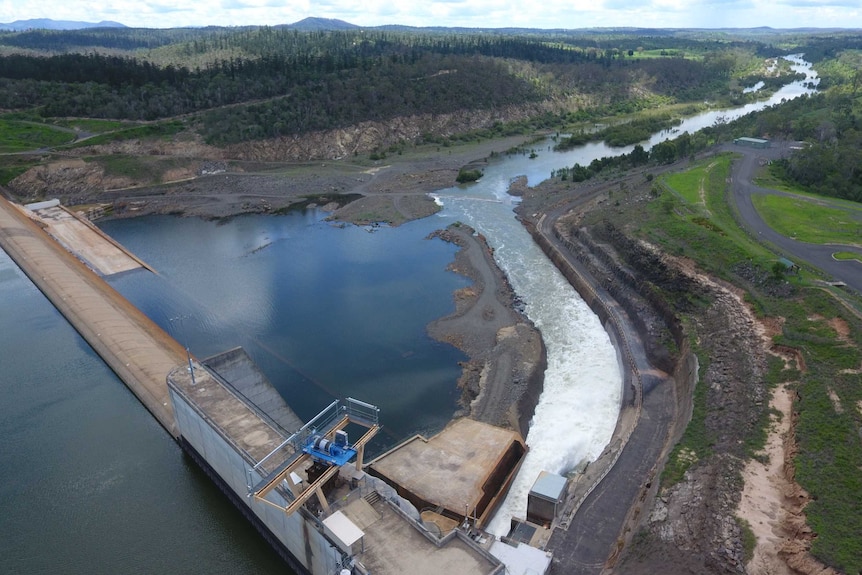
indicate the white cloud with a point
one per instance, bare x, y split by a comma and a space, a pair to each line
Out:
467, 13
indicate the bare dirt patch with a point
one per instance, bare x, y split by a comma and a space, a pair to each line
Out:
842, 328
795, 550
836, 401
770, 327
393, 192
502, 381
763, 497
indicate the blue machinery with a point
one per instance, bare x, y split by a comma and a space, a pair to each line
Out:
321, 441
334, 452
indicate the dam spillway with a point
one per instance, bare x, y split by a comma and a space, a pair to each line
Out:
228, 427
132, 345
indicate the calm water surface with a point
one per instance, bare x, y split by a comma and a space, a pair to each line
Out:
326, 312
89, 481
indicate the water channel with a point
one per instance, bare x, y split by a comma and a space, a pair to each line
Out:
91, 483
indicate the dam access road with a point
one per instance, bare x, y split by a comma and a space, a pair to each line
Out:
132, 345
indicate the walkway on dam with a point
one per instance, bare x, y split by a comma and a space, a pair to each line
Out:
133, 346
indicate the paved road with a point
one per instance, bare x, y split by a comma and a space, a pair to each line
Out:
585, 546
818, 256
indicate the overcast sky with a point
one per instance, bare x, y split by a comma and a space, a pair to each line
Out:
468, 13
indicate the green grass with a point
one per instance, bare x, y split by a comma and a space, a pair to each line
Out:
142, 169
122, 165
817, 324
771, 180
156, 130
706, 230
93, 125
809, 220
696, 442
9, 173
23, 136
659, 53
12, 166
749, 540
847, 256
687, 184
829, 463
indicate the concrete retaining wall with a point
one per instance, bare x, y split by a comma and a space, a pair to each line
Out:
297, 533
683, 378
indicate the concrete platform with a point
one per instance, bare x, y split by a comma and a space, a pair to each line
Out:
393, 547
240, 372
377, 533
465, 469
232, 415
132, 345
97, 250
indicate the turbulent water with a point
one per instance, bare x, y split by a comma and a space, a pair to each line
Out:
578, 409
90, 483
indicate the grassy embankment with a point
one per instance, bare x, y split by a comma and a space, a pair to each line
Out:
38, 136
21, 135
692, 218
810, 218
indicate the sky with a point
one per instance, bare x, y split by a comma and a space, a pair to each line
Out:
569, 14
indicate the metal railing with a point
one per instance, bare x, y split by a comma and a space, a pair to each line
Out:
333, 415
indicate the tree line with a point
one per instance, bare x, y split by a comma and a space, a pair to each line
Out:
260, 82
268, 81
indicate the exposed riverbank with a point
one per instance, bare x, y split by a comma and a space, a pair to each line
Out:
485, 326
503, 378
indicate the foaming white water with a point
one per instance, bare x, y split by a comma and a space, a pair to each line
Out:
580, 402
578, 408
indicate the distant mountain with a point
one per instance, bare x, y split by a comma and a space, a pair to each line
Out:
311, 24
48, 24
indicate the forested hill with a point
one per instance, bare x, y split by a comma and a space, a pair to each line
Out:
241, 84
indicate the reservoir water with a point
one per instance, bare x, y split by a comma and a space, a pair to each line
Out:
91, 483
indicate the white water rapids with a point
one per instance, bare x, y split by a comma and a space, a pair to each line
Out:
578, 408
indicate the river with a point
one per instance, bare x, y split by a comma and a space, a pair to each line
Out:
90, 482
577, 412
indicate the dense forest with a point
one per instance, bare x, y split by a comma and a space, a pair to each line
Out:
234, 85
252, 83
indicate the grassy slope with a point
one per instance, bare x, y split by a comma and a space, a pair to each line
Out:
21, 136
813, 221
829, 337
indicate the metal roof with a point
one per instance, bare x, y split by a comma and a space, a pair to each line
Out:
549, 486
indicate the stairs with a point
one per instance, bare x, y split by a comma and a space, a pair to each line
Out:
372, 498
